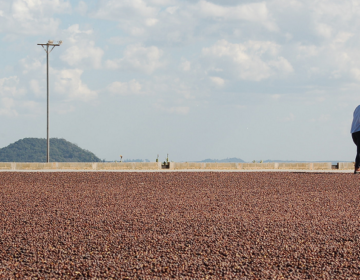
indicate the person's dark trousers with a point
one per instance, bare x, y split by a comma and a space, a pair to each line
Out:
356, 139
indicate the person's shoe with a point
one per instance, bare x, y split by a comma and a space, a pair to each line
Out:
357, 171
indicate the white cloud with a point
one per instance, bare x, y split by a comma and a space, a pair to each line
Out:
68, 82
281, 65
178, 21
305, 51
133, 15
324, 30
27, 8
131, 87
120, 10
163, 2
136, 31
110, 64
151, 21
324, 118
10, 92
275, 96
31, 17
217, 81
343, 11
121, 41
355, 72
6, 107
138, 58
185, 65
63, 109
289, 118
343, 37
32, 107
82, 8
35, 87
172, 10
75, 35
254, 12
30, 65
253, 60
180, 110
10, 87
75, 55
80, 50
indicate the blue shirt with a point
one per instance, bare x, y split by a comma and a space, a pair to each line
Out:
355, 127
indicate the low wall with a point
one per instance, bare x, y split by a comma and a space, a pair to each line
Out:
221, 165
251, 166
321, 165
102, 166
80, 166
6, 166
127, 166
186, 165
258, 166
34, 166
346, 165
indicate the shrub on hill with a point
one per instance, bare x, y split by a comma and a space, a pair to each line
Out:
34, 150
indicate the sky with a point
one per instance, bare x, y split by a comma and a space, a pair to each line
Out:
256, 80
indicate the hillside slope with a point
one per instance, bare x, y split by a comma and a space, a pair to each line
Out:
34, 150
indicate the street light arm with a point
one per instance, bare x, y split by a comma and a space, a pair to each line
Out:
52, 49
56, 45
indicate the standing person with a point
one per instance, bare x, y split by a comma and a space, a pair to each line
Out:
355, 132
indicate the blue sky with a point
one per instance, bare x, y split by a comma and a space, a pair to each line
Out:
275, 79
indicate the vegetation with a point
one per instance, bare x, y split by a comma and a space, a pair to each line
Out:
34, 150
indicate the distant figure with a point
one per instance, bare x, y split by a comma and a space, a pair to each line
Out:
355, 132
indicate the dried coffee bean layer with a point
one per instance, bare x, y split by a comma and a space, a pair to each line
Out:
205, 225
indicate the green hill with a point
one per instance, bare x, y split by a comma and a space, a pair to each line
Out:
34, 150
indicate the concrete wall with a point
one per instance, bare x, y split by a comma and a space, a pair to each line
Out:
6, 166
76, 165
34, 166
346, 165
172, 166
295, 165
251, 166
127, 166
257, 166
321, 165
203, 165
186, 165
221, 166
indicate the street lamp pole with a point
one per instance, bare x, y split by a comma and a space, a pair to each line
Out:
50, 43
